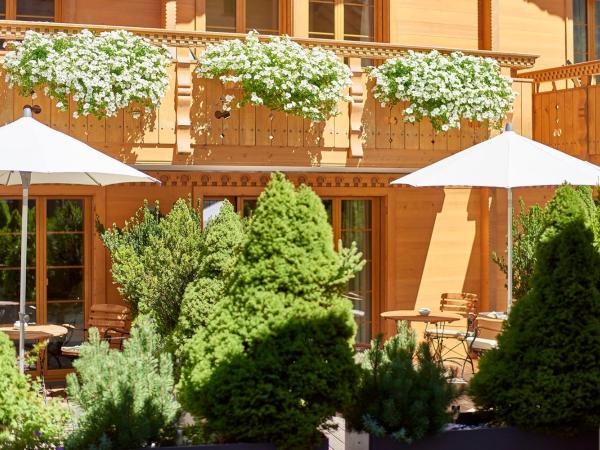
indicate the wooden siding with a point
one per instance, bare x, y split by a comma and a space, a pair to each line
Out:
541, 27
566, 108
435, 22
130, 13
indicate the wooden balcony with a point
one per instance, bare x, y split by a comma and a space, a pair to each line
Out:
566, 108
185, 130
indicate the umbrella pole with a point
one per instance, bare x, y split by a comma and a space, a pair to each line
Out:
25, 180
509, 263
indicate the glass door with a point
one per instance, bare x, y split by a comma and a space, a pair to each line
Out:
353, 220
56, 267
64, 271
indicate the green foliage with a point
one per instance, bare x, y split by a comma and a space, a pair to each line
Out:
398, 397
545, 374
27, 420
527, 228
126, 398
222, 236
154, 258
275, 359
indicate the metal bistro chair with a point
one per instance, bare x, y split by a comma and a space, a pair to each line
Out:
113, 323
487, 331
459, 350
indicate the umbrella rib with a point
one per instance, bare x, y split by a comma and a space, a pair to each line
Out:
8, 179
93, 179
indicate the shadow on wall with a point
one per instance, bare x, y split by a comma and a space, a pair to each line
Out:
554, 7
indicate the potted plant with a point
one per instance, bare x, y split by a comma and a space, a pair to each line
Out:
275, 361
279, 74
102, 73
444, 88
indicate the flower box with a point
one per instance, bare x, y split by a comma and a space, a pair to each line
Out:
240, 446
490, 439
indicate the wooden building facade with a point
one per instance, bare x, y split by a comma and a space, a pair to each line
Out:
418, 242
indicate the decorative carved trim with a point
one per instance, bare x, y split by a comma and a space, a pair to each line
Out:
584, 69
184, 101
356, 108
16, 30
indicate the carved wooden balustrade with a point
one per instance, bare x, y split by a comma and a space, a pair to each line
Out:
188, 127
566, 108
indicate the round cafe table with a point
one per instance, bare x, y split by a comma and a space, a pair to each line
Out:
37, 333
438, 318
413, 315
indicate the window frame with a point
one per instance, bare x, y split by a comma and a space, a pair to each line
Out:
11, 10
282, 22
380, 27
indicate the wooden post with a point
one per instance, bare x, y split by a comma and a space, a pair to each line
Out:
484, 244
299, 18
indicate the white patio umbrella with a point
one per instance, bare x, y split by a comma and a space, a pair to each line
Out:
32, 153
508, 161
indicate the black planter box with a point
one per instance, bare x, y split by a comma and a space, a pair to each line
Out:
323, 446
491, 439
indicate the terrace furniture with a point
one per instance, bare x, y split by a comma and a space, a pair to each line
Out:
113, 323
459, 351
488, 329
36, 333
439, 319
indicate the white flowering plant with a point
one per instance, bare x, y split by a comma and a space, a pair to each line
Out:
279, 74
103, 73
445, 88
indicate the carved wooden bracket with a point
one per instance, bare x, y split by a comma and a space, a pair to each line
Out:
184, 100
356, 108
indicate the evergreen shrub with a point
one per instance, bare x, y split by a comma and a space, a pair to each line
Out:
545, 374
527, 228
275, 359
154, 258
403, 392
222, 237
27, 420
126, 398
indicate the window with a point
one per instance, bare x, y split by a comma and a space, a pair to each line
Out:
56, 266
30, 10
351, 20
586, 30
38, 10
352, 220
242, 16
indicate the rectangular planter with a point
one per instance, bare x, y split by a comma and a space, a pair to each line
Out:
491, 439
240, 446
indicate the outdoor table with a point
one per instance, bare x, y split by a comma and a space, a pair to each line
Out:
438, 318
37, 333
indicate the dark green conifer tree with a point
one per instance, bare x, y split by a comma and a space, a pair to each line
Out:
275, 360
546, 373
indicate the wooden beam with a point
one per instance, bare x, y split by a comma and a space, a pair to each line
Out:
299, 18
200, 15
484, 245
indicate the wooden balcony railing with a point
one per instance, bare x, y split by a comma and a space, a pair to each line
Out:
185, 129
566, 108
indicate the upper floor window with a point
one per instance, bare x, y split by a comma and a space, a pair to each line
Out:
38, 10
586, 30
31, 10
350, 20
241, 16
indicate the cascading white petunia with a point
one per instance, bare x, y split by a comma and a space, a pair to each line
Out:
103, 73
279, 74
445, 88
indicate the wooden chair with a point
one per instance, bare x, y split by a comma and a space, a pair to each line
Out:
458, 332
487, 333
113, 323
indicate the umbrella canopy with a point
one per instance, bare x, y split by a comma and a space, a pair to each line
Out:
32, 153
27, 145
508, 161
